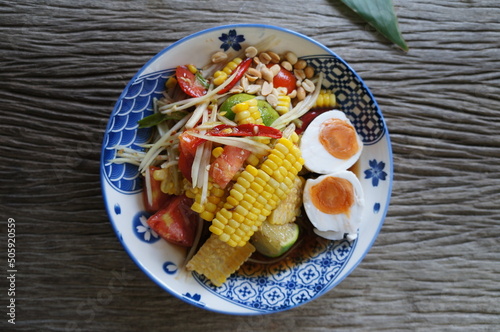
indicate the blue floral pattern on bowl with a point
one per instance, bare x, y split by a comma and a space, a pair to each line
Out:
376, 172
142, 229
231, 40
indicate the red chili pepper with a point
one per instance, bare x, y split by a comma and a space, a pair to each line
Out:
247, 129
309, 116
240, 71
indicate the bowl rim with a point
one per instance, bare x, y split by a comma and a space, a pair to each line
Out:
140, 72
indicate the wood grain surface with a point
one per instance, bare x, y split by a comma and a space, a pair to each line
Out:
436, 263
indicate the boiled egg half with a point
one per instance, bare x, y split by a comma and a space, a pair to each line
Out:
334, 204
330, 143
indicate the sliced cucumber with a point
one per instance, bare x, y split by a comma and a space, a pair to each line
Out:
274, 240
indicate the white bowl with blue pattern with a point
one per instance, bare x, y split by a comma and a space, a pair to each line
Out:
254, 289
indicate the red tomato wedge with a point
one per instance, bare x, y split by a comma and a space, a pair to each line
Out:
240, 71
285, 79
176, 222
158, 198
187, 150
225, 166
189, 83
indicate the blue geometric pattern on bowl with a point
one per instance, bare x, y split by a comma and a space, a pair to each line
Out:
137, 102
352, 96
134, 104
287, 283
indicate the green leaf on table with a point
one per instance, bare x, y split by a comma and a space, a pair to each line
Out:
380, 14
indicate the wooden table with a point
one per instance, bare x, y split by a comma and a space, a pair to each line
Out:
436, 263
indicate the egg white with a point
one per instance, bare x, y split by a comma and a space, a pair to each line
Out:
334, 226
317, 158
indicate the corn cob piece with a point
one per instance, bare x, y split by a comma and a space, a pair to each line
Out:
214, 202
217, 260
326, 99
284, 103
256, 193
247, 112
289, 208
221, 75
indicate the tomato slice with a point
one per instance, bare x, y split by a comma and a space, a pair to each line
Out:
176, 222
187, 150
189, 83
285, 79
240, 71
158, 198
225, 166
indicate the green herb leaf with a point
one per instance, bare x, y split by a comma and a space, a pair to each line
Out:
201, 79
380, 14
157, 118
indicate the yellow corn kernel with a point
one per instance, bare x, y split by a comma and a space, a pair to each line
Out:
160, 174
192, 69
171, 180
231, 66
247, 112
206, 215
284, 103
213, 203
217, 260
219, 77
171, 83
326, 98
217, 151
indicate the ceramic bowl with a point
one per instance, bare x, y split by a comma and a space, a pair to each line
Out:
255, 288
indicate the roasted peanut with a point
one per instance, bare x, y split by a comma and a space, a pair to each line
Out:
293, 94
287, 65
267, 74
299, 74
244, 83
253, 89
275, 58
272, 99
301, 64
308, 85
309, 71
264, 58
251, 51
275, 69
291, 57
218, 57
253, 74
301, 93
266, 89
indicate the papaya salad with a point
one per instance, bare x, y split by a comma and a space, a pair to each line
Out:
243, 151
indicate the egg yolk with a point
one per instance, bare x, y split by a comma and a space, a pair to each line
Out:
338, 138
333, 195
